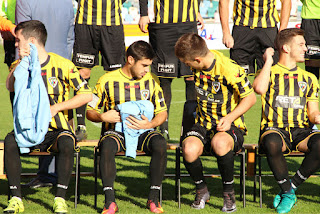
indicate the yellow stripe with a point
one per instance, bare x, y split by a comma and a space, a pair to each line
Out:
191, 12
116, 9
166, 11
256, 13
99, 12
272, 22
184, 12
108, 14
176, 11
236, 22
80, 19
247, 13
120, 2
157, 9
264, 20
196, 9
89, 19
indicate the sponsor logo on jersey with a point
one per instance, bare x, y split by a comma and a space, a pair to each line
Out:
115, 66
290, 77
145, 94
294, 102
53, 81
302, 86
131, 86
166, 68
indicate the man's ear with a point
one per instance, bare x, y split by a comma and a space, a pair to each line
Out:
131, 60
32, 40
197, 59
286, 48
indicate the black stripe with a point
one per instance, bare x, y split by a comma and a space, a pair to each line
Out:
296, 91
56, 89
267, 16
137, 91
276, 93
251, 12
113, 11
180, 10
85, 11
104, 15
171, 7
61, 80
286, 92
94, 12
188, 13
243, 12
161, 11
116, 93
260, 13
127, 90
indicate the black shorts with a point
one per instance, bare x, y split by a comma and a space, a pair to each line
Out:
92, 39
312, 37
250, 45
163, 38
206, 136
292, 138
143, 141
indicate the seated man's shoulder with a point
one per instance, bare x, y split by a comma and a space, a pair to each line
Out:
60, 60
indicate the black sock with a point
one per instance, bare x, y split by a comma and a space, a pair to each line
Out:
64, 162
272, 144
195, 170
190, 90
165, 84
108, 150
158, 148
226, 168
12, 164
311, 162
81, 111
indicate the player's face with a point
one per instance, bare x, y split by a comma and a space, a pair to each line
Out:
298, 48
22, 44
140, 68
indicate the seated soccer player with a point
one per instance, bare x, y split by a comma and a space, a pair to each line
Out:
133, 82
224, 94
59, 75
289, 97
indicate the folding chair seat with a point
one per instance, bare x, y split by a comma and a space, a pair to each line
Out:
187, 123
258, 159
96, 155
77, 172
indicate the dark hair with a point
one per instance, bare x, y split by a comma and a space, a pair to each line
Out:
189, 46
285, 36
139, 50
33, 28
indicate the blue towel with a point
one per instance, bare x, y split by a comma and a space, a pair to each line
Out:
136, 109
31, 108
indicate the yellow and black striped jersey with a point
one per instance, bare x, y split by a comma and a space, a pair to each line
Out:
219, 90
59, 76
285, 103
255, 13
115, 88
172, 11
99, 12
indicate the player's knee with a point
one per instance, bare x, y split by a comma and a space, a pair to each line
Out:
108, 146
314, 143
158, 144
191, 151
66, 144
221, 147
272, 143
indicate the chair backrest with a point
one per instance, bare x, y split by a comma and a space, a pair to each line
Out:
188, 117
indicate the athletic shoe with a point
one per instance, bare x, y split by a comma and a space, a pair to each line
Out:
154, 207
81, 133
229, 202
165, 134
277, 200
288, 200
60, 206
202, 196
36, 183
113, 208
15, 205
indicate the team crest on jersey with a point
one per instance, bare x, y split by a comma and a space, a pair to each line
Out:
216, 86
302, 86
53, 81
145, 94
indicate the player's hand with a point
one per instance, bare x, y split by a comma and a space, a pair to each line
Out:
317, 119
24, 50
228, 40
224, 124
200, 20
111, 116
54, 110
137, 124
268, 55
143, 21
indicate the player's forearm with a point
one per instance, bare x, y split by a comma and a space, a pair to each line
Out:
261, 82
244, 105
159, 119
74, 102
285, 13
93, 116
224, 16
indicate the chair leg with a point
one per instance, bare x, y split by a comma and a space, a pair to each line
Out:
243, 162
241, 177
255, 176
177, 183
260, 182
77, 179
160, 195
95, 177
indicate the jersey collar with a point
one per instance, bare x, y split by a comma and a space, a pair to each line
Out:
46, 62
211, 66
292, 69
